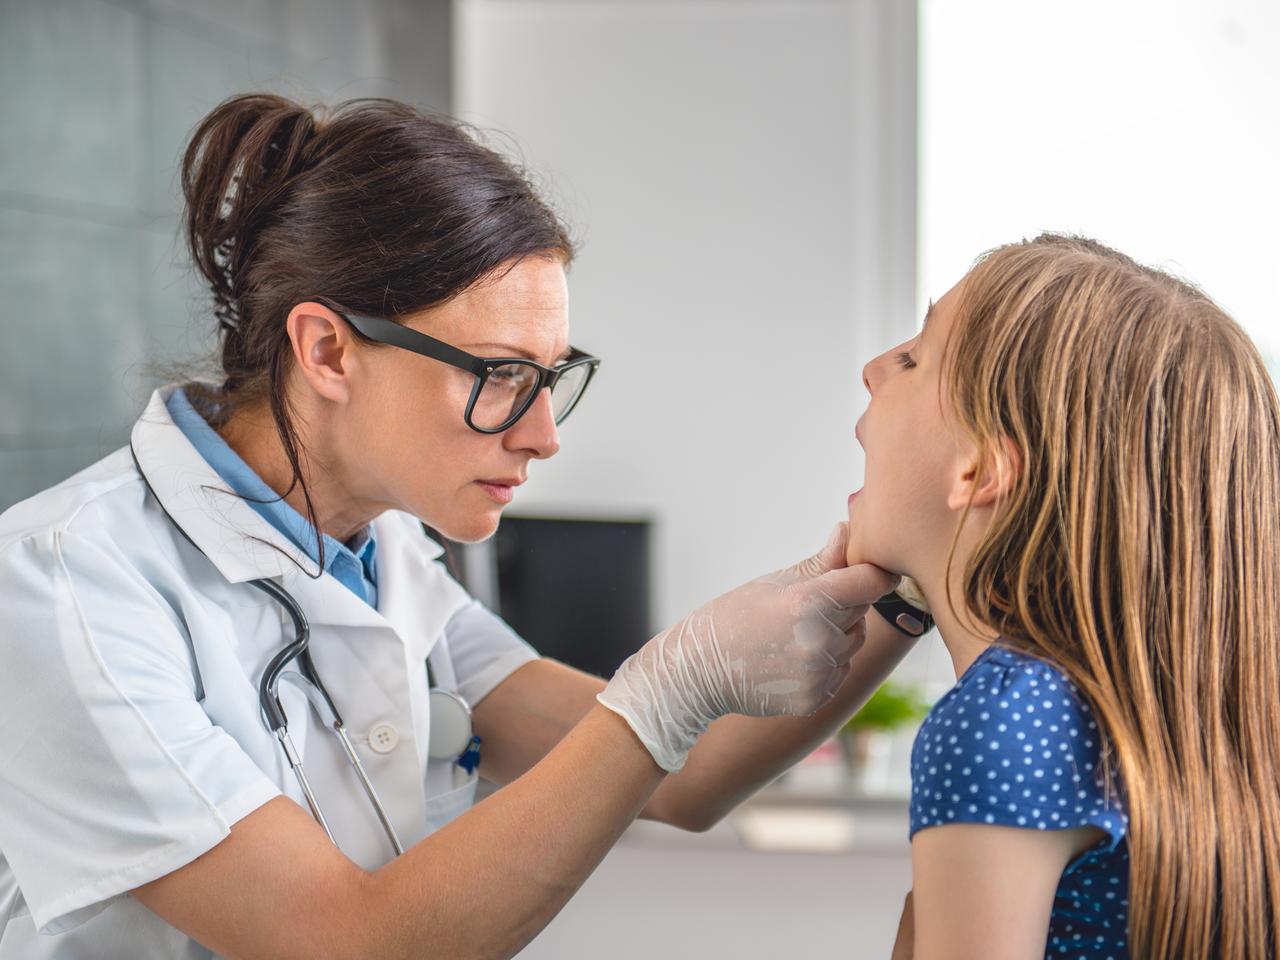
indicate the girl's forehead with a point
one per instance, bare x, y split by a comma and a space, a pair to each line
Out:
939, 316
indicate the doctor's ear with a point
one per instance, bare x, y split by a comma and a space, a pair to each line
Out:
983, 478
322, 349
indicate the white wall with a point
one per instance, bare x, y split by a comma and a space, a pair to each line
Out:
1150, 124
742, 177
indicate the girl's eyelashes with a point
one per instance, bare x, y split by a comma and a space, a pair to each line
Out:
905, 360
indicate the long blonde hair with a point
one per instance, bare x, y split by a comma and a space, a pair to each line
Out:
1139, 551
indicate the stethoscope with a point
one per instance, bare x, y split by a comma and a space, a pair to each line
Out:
451, 738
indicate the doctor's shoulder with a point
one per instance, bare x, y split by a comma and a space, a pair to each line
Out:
93, 535
109, 489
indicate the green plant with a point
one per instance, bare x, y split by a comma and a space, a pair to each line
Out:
893, 705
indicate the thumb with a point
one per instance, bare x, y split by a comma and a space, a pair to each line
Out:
843, 595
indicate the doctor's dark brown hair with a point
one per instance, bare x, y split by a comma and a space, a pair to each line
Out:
372, 204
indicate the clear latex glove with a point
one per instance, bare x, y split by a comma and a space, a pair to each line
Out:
779, 645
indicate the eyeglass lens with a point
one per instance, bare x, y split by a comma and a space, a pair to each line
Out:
508, 389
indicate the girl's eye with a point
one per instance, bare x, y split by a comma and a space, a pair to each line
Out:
905, 360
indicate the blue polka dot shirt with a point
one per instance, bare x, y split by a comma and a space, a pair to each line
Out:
1013, 744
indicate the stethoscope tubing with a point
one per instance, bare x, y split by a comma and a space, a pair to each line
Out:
299, 653
273, 714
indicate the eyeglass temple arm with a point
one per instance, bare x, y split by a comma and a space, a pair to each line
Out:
398, 335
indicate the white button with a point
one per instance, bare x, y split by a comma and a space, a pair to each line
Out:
383, 738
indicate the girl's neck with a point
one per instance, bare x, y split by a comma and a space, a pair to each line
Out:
964, 638
962, 643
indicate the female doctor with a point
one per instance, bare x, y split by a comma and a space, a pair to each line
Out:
191, 627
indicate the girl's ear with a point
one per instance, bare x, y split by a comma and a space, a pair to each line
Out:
985, 481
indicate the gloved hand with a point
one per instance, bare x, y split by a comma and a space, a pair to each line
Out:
781, 644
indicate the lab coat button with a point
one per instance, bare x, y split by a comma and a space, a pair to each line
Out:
383, 737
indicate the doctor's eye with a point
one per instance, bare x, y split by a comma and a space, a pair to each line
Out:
510, 376
904, 359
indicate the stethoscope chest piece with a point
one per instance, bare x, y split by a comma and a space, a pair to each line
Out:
450, 725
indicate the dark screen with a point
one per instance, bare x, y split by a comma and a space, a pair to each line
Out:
578, 590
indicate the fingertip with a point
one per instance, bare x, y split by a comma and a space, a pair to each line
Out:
834, 551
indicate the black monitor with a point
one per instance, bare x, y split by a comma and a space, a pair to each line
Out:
578, 590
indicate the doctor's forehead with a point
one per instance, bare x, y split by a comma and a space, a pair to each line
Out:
527, 303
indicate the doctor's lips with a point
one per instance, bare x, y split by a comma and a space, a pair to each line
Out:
502, 489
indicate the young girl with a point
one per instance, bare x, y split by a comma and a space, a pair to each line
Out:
1078, 461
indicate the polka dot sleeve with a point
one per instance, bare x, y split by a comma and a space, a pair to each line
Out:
1012, 744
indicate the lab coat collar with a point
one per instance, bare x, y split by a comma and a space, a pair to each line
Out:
244, 546
240, 543
406, 602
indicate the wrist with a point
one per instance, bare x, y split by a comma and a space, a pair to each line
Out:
652, 706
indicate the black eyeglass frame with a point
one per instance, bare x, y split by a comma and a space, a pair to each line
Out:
398, 335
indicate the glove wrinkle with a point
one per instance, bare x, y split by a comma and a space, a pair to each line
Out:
781, 644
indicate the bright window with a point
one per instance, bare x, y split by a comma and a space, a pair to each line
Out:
1152, 126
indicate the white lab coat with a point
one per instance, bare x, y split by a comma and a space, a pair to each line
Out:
114, 773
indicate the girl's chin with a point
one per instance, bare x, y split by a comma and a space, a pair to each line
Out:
854, 553
860, 551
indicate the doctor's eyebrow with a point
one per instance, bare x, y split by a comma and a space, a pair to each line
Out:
928, 314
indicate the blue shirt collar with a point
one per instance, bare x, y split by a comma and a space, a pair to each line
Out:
352, 564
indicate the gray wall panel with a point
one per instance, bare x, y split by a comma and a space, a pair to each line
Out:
72, 106
28, 471
72, 328
229, 21
187, 75
178, 323
101, 95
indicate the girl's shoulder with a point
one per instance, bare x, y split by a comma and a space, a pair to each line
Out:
1020, 677
1013, 743
1004, 689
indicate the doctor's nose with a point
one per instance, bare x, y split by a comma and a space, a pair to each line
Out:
536, 430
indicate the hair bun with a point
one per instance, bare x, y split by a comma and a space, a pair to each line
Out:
245, 156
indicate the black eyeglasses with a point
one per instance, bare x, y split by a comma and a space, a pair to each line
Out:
505, 387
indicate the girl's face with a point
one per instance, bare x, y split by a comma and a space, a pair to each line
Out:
420, 455
900, 519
